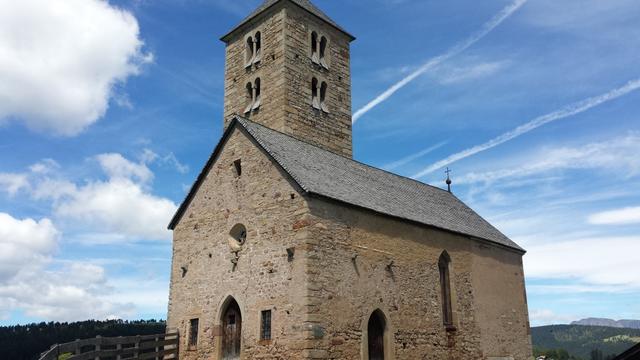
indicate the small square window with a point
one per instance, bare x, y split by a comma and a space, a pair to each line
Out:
265, 328
193, 333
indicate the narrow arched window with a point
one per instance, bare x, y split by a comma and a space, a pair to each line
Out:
315, 57
323, 97
376, 332
258, 47
323, 50
249, 98
248, 53
445, 285
315, 98
257, 94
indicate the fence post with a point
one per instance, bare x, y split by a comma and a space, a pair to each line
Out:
177, 344
97, 347
119, 348
78, 349
136, 352
157, 349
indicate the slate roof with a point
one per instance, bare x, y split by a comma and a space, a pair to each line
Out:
322, 173
304, 4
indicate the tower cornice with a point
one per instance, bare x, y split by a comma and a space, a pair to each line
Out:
305, 5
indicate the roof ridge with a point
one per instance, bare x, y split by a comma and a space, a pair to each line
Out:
448, 200
313, 170
348, 158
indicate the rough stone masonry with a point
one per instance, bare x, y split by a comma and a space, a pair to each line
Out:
286, 248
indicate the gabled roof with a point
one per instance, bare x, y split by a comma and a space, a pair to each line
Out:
304, 4
319, 172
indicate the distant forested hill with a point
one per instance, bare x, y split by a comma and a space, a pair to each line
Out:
580, 340
631, 324
27, 342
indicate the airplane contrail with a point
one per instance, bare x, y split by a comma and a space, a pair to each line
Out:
460, 47
410, 158
568, 111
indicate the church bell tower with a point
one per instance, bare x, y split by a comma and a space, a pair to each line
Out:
287, 68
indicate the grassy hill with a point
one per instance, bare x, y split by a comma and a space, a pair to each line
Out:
580, 340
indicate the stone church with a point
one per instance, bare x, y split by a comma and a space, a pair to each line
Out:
287, 248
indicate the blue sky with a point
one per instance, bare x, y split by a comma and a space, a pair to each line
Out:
106, 119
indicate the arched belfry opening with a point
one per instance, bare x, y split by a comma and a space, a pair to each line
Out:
231, 322
376, 329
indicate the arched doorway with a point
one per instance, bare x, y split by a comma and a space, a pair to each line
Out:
375, 335
231, 331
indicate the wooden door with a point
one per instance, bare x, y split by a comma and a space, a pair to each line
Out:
375, 331
232, 332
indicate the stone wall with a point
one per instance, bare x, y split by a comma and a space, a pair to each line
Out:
331, 130
264, 278
360, 262
286, 72
270, 70
347, 263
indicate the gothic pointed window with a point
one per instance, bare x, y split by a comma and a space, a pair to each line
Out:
376, 329
323, 97
315, 57
249, 98
323, 50
258, 47
257, 100
248, 53
315, 96
445, 287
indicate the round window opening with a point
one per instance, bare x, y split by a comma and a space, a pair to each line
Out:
239, 234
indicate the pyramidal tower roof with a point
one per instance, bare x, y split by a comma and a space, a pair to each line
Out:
304, 4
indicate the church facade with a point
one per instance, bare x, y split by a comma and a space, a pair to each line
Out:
286, 248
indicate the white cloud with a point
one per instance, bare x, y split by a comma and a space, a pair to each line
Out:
44, 166
12, 183
149, 156
592, 261
566, 112
545, 316
60, 61
629, 215
119, 206
116, 166
78, 291
619, 153
448, 75
172, 160
24, 243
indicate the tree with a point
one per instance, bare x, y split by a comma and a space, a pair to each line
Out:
596, 354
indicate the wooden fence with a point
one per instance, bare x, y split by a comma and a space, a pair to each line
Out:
155, 347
